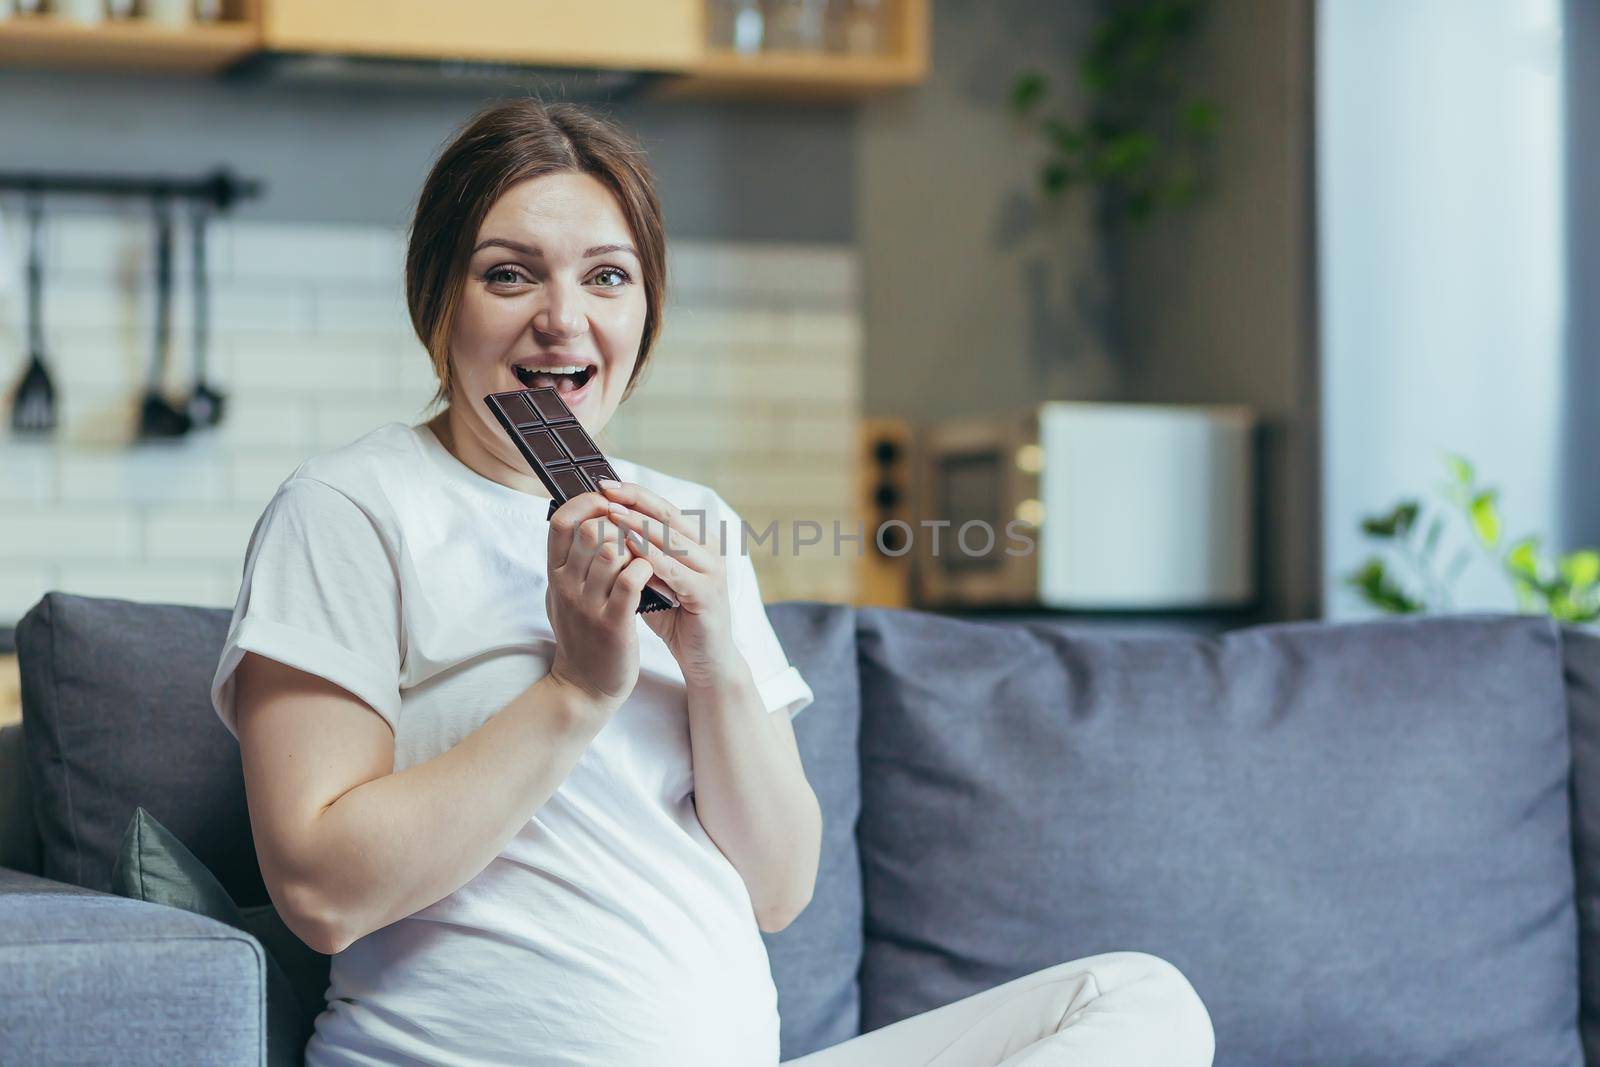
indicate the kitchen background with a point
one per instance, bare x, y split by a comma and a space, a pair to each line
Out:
860, 252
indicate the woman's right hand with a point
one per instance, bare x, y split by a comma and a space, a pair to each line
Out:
591, 596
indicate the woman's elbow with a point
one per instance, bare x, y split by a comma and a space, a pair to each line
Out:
322, 928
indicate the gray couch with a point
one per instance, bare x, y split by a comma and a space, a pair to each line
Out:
1365, 844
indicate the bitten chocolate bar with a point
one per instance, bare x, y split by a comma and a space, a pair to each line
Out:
564, 457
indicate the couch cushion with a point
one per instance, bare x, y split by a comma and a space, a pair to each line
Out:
816, 959
90, 978
1353, 839
117, 713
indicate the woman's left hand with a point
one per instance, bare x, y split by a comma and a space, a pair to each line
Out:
699, 632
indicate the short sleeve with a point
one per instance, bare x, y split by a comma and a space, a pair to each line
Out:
320, 593
779, 683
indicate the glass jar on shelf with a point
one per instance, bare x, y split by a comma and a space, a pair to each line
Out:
797, 25
735, 25
856, 27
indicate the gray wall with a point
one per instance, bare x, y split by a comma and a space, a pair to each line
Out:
733, 171
1217, 304
977, 298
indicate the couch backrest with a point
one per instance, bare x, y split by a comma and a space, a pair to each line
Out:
1353, 839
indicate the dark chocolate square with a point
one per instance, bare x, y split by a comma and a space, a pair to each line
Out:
570, 481
515, 405
544, 446
550, 406
577, 441
598, 470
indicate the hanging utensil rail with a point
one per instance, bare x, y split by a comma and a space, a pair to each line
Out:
220, 188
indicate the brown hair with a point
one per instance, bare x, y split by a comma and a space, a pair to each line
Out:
507, 143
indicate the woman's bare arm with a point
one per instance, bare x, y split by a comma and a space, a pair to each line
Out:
347, 846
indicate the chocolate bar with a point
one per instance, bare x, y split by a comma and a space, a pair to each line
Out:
564, 457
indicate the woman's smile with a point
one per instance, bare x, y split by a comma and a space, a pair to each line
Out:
570, 379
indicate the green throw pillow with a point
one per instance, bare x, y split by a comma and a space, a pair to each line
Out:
153, 865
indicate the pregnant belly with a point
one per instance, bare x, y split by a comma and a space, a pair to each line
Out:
560, 981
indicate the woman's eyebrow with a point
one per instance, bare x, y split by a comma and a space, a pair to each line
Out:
537, 253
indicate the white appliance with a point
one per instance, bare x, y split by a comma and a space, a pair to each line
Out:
1093, 506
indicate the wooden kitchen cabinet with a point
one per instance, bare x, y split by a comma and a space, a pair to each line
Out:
661, 36
653, 35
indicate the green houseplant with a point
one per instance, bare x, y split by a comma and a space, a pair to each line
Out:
1410, 576
1143, 139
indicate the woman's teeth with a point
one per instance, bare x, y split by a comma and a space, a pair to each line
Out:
562, 379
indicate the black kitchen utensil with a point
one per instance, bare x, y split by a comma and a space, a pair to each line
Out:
157, 417
33, 403
205, 404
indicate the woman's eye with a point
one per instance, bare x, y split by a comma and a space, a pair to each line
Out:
619, 278
503, 276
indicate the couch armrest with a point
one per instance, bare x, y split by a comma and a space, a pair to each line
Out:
90, 977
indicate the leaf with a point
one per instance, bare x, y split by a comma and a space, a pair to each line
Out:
1460, 470
1200, 118
1128, 152
1027, 91
1581, 568
1395, 524
1381, 591
1069, 140
1523, 559
1485, 518
1055, 178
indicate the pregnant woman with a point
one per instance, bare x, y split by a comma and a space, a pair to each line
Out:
530, 825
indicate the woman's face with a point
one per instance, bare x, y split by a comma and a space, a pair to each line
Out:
553, 282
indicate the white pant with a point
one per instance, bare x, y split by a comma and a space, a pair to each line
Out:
1120, 1009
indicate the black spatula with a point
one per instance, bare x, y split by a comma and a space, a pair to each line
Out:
205, 404
33, 404
157, 417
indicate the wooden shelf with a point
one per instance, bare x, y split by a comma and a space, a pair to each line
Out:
134, 44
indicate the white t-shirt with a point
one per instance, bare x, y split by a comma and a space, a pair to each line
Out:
611, 931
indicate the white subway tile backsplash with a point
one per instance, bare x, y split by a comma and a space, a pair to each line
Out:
256, 479
21, 586
75, 532
157, 473
252, 421
216, 536
282, 308
348, 310
155, 583
307, 366
826, 433
27, 472
825, 273
338, 422
753, 390
690, 326
827, 329
103, 357
326, 253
